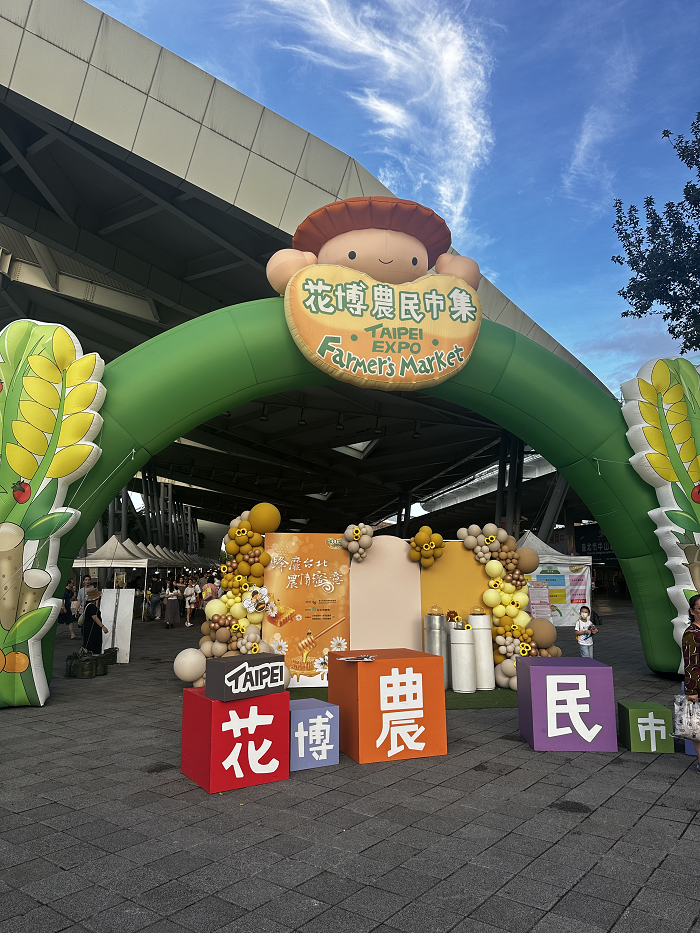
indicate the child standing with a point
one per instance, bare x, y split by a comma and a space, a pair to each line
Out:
585, 630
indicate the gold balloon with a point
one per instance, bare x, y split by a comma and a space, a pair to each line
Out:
264, 517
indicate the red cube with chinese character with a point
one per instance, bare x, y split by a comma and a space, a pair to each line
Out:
235, 744
391, 707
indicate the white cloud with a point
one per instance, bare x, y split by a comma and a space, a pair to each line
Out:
421, 74
131, 12
589, 176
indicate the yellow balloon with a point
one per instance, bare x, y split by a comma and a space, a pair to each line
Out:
508, 588
494, 568
505, 598
522, 619
499, 612
511, 611
491, 598
264, 517
522, 598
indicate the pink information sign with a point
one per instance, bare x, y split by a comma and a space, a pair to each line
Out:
540, 606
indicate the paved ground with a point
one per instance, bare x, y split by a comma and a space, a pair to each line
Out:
100, 832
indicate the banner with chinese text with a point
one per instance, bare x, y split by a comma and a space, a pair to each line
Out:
308, 579
378, 335
569, 588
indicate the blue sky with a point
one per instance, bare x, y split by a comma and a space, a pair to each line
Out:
519, 120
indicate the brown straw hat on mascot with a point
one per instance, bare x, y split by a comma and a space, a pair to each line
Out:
381, 213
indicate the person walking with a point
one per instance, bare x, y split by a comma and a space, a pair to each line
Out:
172, 606
156, 589
82, 593
65, 614
93, 626
585, 630
191, 594
690, 646
210, 590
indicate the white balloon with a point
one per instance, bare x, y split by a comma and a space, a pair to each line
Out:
509, 669
353, 547
462, 533
480, 540
198, 683
513, 683
365, 541
474, 530
219, 648
189, 665
206, 649
244, 515
501, 679
502, 535
469, 541
489, 529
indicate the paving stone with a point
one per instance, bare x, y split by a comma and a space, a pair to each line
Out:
374, 903
597, 913
292, 908
419, 917
208, 915
329, 887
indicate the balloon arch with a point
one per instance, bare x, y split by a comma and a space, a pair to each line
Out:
515, 382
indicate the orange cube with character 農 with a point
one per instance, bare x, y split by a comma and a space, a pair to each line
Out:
392, 707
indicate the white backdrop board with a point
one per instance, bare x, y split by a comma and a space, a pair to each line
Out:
119, 634
385, 600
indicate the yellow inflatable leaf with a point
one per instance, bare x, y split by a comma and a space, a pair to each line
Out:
80, 397
74, 428
677, 412
41, 391
45, 368
31, 438
63, 348
681, 432
674, 394
69, 459
694, 470
81, 370
655, 439
660, 376
21, 460
647, 391
688, 451
650, 413
38, 415
662, 466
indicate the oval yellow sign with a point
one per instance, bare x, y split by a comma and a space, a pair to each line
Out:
382, 336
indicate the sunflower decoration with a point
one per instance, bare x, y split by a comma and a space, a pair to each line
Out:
426, 547
49, 402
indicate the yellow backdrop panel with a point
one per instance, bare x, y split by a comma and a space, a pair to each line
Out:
455, 581
385, 598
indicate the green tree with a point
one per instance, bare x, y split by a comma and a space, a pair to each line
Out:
665, 256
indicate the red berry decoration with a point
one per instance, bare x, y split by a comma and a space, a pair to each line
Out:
22, 492
695, 494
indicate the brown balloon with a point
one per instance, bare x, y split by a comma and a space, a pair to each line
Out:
528, 561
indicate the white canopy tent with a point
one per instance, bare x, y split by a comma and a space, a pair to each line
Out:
565, 579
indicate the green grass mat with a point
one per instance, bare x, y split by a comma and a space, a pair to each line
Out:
482, 699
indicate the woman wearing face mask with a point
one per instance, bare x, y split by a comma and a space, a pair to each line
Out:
585, 630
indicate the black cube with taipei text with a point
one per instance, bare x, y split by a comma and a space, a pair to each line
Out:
244, 676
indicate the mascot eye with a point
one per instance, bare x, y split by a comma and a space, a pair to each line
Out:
414, 261
352, 254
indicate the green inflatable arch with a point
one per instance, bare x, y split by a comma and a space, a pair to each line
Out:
172, 383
